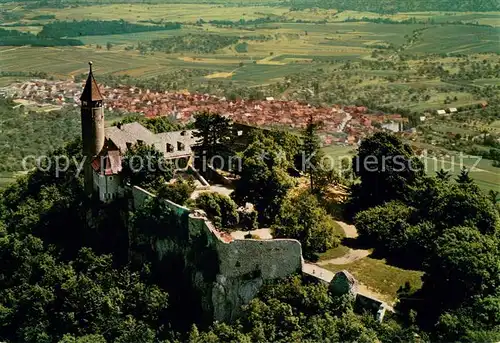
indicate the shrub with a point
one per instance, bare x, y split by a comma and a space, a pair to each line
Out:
178, 192
221, 209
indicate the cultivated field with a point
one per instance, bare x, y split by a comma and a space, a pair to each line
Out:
394, 65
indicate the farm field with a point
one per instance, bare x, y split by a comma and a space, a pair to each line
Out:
484, 174
481, 18
444, 39
347, 59
186, 13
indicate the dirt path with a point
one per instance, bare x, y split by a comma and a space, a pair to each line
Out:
350, 230
16, 48
352, 255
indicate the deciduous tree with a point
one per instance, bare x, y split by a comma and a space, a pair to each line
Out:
263, 181
144, 166
220, 208
303, 218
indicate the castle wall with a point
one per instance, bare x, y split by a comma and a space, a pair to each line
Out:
272, 259
239, 268
141, 195
109, 186
245, 265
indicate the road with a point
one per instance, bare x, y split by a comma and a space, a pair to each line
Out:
342, 125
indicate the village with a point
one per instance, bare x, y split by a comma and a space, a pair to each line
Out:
342, 125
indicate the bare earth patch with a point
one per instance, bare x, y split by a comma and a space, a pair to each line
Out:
351, 256
350, 230
222, 75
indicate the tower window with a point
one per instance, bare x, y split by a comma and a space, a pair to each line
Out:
84, 103
170, 147
180, 146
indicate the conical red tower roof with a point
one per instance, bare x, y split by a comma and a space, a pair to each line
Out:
91, 90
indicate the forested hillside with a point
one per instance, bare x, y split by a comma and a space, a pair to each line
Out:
99, 27
392, 6
16, 38
383, 6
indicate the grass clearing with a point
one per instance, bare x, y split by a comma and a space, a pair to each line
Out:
337, 152
379, 276
339, 251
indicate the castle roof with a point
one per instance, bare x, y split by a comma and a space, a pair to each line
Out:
91, 90
130, 133
179, 143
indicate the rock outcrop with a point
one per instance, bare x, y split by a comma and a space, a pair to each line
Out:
226, 273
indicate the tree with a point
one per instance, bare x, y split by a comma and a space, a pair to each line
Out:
387, 170
443, 175
493, 196
248, 220
83, 339
463, 268
263, 181
311, 155
464, 177
109, 46
293, 310
144, 166
448, 206
43, 299
177, 192
406, 231
324, 177
214, 133
290, 145
303, 218
221, 209
386, 225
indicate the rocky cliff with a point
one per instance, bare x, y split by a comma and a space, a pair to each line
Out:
223, 273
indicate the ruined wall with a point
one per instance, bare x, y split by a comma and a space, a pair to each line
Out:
215, 177
225, 273
244, 266
141, 195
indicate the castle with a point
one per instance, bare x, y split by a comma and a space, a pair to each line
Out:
104, 147
225, 274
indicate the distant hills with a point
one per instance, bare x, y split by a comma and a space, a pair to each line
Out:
378, 6
392, 6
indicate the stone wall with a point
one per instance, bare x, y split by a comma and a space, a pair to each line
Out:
141, 195
204, 183
227, 273
215, 176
